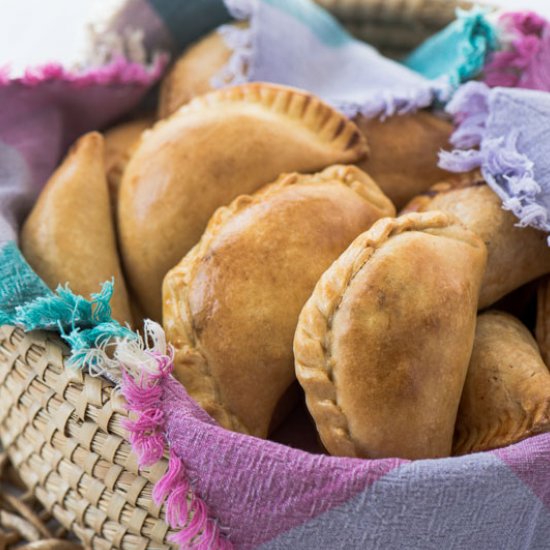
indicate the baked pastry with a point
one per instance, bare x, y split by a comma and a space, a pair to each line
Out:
69, 235
120, 142
404, 153
516, 255
232, 304
383, 344
212, 150
193, 71
506, 396
542, 329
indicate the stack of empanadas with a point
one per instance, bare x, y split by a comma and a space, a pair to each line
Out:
232, 304
259, 224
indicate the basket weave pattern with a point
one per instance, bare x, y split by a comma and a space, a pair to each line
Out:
64, 433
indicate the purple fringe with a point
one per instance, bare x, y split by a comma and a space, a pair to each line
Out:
526, 61
147, 437
118, 71
388, 104
509, 172
470, 109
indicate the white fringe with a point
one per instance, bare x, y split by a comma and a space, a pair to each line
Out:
133, 354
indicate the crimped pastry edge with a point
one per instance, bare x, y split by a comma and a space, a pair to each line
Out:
312, 341
191, 351
326, 123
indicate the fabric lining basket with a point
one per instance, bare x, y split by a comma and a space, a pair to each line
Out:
64, 430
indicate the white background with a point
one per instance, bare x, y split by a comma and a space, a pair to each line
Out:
37, 31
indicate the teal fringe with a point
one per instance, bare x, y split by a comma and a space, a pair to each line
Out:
458, 52
26, 301
19, 284
65, 309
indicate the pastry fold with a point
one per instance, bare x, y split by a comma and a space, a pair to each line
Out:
516, 255
120, 142
217, 147
506, 396
232, 304
383, 344
69, 236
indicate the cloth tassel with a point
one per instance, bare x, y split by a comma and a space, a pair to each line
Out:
509, 172
185, 511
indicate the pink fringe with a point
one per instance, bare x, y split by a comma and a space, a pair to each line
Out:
526, 63
119, 71
148, 442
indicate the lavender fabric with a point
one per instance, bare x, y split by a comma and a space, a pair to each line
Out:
347, 73
266, 495
261, 494
506, 133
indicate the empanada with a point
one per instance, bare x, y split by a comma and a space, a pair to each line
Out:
516, 255
217, 147
193, 71
120, 142
506, 396
404, 153
383, 345
231, 305
69, 235
542, 329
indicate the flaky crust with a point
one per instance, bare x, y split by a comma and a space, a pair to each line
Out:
404, 153
69, 235
197, 353
210, 151
506, 396
516, 255
323, 350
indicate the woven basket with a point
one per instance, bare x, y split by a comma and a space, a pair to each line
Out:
63, 430
395, 26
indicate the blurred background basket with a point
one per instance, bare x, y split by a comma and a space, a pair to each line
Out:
395, 26
63, 430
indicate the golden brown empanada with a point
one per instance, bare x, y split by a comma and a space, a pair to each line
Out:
516, 255
404, 153
217, 147
231, 305
542, 329
193, 71
506, 396
383, 345
69, 236
120, 142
